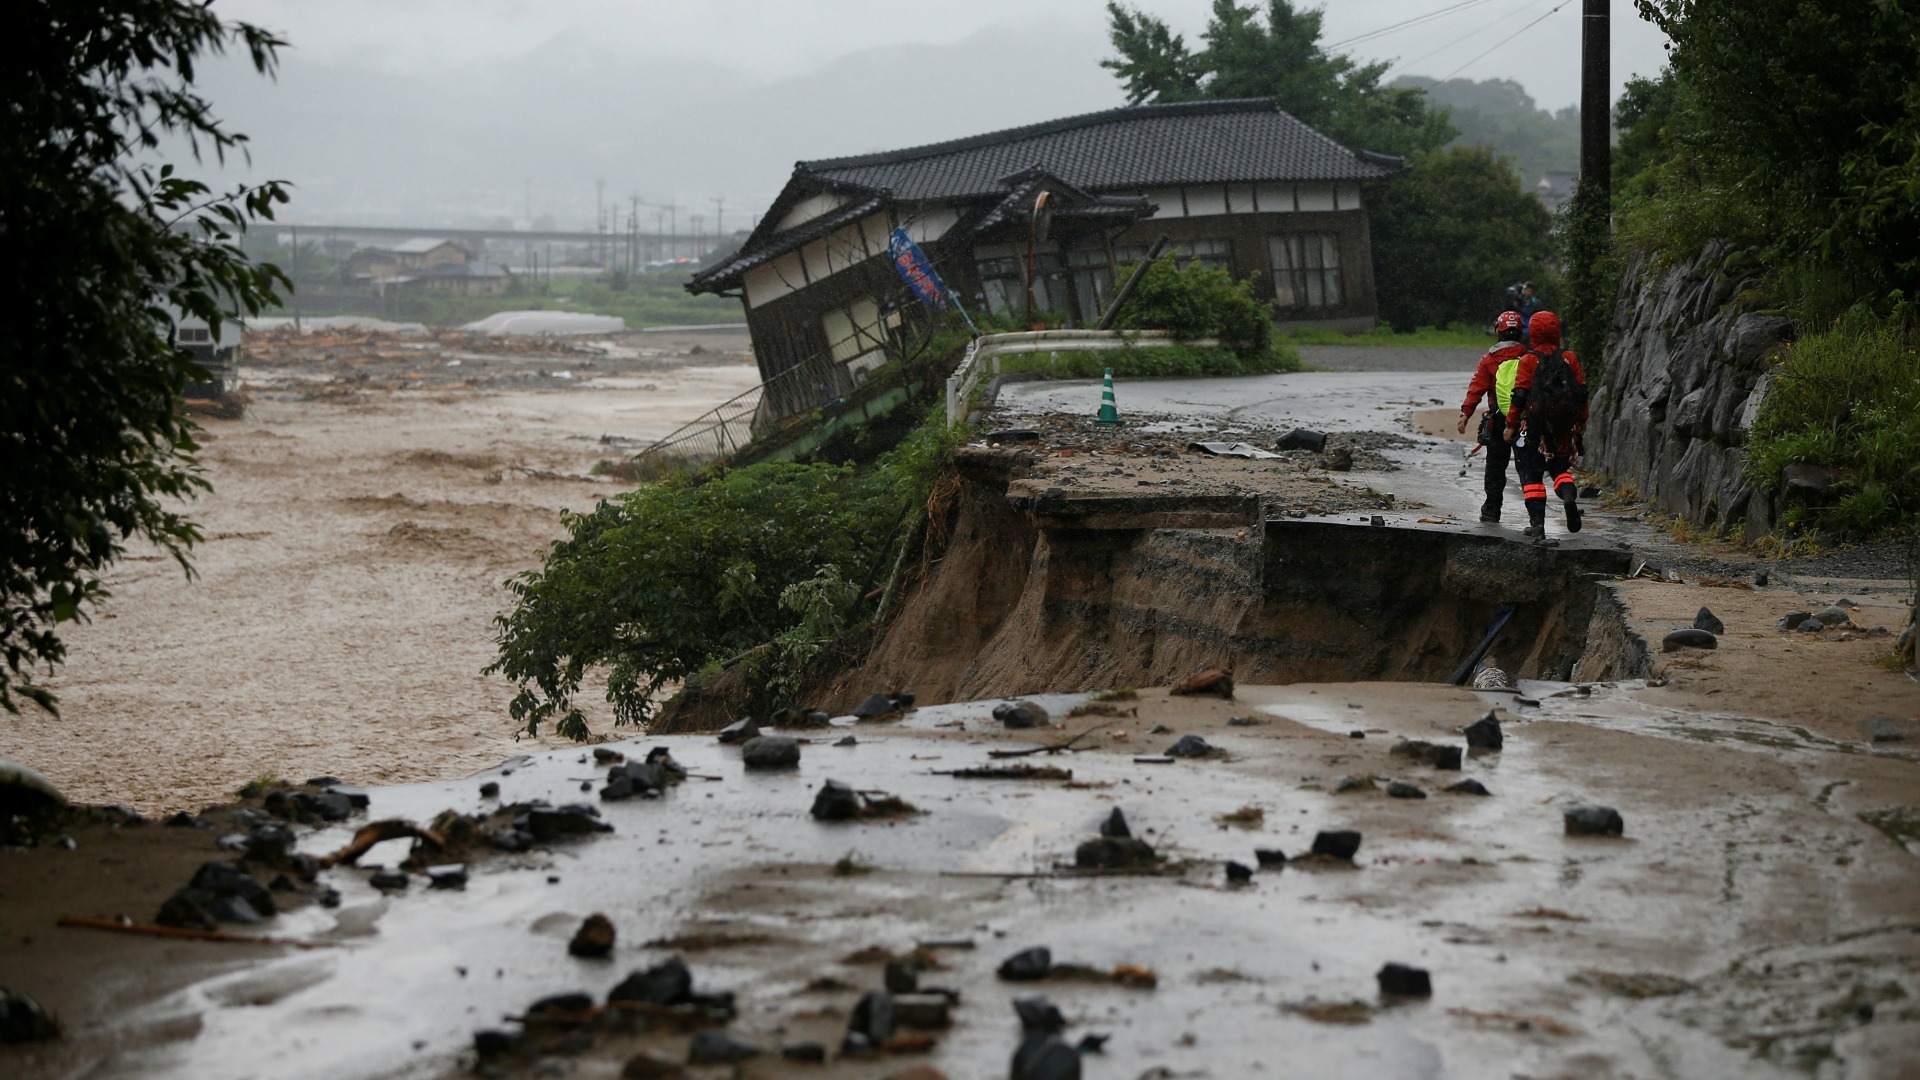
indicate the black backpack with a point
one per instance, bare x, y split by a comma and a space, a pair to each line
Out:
1554, 403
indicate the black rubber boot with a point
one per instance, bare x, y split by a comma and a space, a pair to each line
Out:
1570, 494
1490, 512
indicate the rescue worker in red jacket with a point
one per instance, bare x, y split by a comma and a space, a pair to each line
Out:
1494, 379
1546, 422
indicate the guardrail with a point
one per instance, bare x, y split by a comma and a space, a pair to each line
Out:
982, 360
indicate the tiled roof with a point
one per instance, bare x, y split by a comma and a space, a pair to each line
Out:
1117, 152
419, 245
1201, 142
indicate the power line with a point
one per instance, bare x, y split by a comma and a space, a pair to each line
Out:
1404, 64
1504, 40
1405, 23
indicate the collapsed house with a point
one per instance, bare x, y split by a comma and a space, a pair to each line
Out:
1240, 185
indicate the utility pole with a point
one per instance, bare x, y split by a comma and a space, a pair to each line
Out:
720, 219
1596, 113
600, 220
294, 273
633, 233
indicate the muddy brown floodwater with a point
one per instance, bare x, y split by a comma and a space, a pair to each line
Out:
364, 514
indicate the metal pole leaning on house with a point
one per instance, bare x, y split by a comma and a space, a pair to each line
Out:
1113, 309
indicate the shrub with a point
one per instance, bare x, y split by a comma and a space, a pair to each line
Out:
1849, 399
1198, 301
662, 582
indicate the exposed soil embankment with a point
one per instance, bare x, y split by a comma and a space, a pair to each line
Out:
1018, 591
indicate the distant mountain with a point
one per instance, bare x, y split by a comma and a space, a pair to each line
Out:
1498, 113
374, 147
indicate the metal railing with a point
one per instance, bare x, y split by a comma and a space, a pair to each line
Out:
727, 427
981, 364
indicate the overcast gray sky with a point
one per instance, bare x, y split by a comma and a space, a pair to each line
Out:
443, 109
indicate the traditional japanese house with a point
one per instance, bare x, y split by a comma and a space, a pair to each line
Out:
1238, 184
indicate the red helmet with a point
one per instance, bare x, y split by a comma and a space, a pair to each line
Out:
1506, 320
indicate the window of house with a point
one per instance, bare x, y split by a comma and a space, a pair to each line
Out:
193, 335
853, 330
1092, 283
1216, 252
1003, 278
1306, 270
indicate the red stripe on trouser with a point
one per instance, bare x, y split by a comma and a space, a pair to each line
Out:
1534, 491
1563, 478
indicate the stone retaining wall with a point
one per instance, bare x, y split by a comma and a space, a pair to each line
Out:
1687, 368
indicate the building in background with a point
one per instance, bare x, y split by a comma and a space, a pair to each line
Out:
429, 265
1237, 184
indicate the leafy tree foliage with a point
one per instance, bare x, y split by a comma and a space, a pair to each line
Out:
97, 250
1453, 233
1279, 57
1811, 114
1277, 54
1500, 114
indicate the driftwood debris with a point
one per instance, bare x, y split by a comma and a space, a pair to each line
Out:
150, 930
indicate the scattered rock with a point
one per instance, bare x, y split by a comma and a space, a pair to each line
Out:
1689, 638
1594, 821
1039, 1016
182, 820
1214, 682
1484, 733
1708, 621
1045, 1057
874, 707
1340, 459
1245, 721
740, 731
713, 1047
605, 756
545, 823
1302, 439
226, 881
1353, 783
489, 790
1006, 435
1020, 715
187, 909
390, 881
23, 790
1376, 520
1435, 754
1400, 789
451, 876
666, 983
1399, 980
847, 740
1833, 616
901, 977
811, 1053
1762, 578
23, 1020
1238, 873
1792, 619
873, 1017
1115, 825
903, 699
1356, 733
269, 843
1810, 626
836, 802
1269, 857
771, 752
647, 1065
1469, 786
1190, 746
594, 939
1337, 843
1027, 965
1113, 853
818, 719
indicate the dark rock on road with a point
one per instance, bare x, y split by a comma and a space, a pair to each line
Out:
1469, 786
1400, 789
1269, 857
1400, 980
1689, 638
1435, 754
1485, 734
1027, 965
1594, 821
1706, 620
836, 802
1020, 715
873, 1017
1115, 825
771, 752
1190, 746
712, 1047
1238, 873
1337, 843
594, 940
1113, 853
874, 707
666, 983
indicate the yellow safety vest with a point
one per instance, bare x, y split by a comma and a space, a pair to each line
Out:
1503, 379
